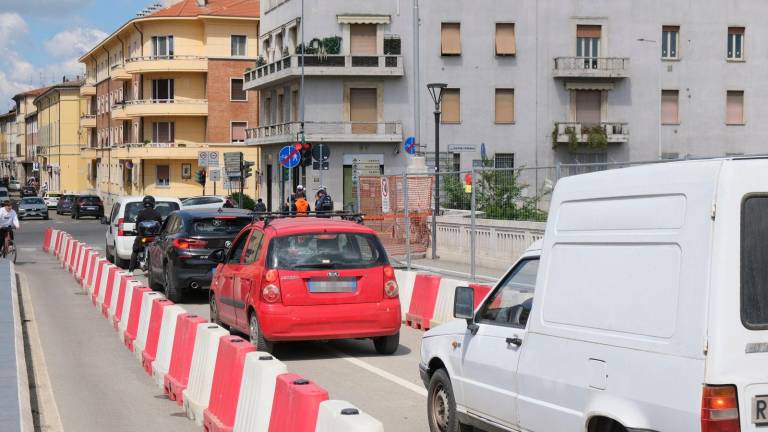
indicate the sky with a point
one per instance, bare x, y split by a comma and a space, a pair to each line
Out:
41, 40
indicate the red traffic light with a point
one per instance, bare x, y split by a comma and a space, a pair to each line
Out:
307, 147
297, 146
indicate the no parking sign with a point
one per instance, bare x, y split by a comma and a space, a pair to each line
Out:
384, 195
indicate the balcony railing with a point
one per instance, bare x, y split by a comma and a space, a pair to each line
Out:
327, 132
325, 65
88, 120
160, 107
616, 132
591, 67
166, 63
151, 145
164, 57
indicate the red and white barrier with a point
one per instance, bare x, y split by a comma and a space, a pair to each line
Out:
113, 285
257, 391
129, 324
198, 391
336, 415
108, 278
153, 334
422, 305
162, 362
176, 379
49, 239
225, 388
143, 324
118, 293
95, 275
120, 320
296, 405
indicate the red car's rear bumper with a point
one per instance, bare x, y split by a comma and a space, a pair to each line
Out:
345, 321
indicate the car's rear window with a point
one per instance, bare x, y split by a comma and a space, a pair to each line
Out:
754, 257
219, 225
90, 200
53, 195
163, 207
32, 201
326, 251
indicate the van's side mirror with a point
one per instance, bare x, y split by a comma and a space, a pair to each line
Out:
104, 220
218, 256
464, 307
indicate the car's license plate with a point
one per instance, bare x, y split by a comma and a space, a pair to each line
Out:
760, 410
90, 208
332, 285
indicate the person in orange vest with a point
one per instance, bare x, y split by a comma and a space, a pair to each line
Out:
301, 204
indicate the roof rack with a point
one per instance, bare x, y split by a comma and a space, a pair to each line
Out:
268, 217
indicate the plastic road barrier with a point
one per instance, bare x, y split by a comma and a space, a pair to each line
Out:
162, 362
81, 262
112, 286
82, 273
153, 334
92, 262
118, 295
257, 391
120, 319
405, 280
225, 388
181, 357
198, 391
296, 404
129, 322
57, 243
481, 291
100, 281
336, 415
105, 285
144, 316
443, 311
95, 273
74, 256
67, 247
47, 239
424, 297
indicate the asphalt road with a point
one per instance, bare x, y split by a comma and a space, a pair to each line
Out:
98, 385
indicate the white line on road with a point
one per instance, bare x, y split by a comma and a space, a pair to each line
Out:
380, 372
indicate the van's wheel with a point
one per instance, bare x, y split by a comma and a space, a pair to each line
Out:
387, 345
257, 338
172, 290
441, 405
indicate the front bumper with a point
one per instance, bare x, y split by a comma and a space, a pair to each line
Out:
33, 213
320, 322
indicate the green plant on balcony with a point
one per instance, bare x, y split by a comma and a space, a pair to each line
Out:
332, 45
392, 46
260, 61
573, 139
597, 138
554, 136
286, 53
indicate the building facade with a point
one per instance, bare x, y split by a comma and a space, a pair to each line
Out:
8, 143
534, 83
26, 132
163, 87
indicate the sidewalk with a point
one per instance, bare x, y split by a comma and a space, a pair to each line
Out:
457, 269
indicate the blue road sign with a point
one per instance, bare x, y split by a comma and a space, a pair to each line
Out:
289, 157
483, 155
410, 145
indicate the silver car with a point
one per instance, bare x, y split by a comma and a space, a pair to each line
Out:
33, 207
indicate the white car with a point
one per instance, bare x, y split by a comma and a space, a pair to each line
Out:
4, 194
204, 202
122, 223
52, 199
649, 312
14, 185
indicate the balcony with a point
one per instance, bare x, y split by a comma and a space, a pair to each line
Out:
591, 67
118, 72
118, 112
175, 63
88, 89
316, 132
616, 133
160, 108
88, 121
159, 150
328, 65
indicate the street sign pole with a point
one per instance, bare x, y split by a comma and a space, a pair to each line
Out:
322, 183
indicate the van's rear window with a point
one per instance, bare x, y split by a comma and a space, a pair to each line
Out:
754, 262
326, 251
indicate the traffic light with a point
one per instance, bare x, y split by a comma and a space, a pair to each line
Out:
200, 177
248, 168
306, 154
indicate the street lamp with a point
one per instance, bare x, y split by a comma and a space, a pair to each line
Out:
660, 90
436, 91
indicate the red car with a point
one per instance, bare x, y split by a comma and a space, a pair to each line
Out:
307, 279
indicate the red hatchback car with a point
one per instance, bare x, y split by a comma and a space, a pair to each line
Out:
307, 278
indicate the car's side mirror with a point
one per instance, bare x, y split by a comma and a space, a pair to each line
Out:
218, 256
464, 306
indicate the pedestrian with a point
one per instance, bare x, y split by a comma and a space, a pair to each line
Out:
301, 204
260, 207
324, 203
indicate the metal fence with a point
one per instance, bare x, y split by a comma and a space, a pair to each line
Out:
488, 216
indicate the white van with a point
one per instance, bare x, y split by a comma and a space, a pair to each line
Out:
122, 223
649, 312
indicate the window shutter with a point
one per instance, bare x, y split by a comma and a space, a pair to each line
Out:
588, 31
735, 108
362, 39
238, 94
505, 39
451, 106
505, 105
669, 107
450, 39
363, 108
238, 131
736, 30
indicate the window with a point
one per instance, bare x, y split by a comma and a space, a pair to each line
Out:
505, 39
505, 105
669, 107
328, 251
511, 303
163, 175
236, 92
162, 46
451, 106
362, 39
163, 132
238, 131
754, 272
254, 247
295, 105
735, 43
236, 251
363, 110
734, 107
238, 46
588, 44
450, 39
669, 39
504, 160
162, 89
280, 108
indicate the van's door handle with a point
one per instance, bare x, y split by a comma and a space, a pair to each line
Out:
514, 341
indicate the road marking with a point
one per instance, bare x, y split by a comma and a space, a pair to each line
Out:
380, 372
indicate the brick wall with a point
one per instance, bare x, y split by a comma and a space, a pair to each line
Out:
221, 111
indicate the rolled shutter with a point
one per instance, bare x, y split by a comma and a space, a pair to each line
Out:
588, 31
505, 39
450, 39
505, 106
363, 39
451, 106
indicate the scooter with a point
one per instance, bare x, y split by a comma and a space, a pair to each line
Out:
147, 232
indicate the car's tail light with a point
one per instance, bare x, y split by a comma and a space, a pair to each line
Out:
120, 231
271, 276
187, 243
391, 290
719, 409
270, 293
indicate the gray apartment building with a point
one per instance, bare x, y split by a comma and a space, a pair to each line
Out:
535, 83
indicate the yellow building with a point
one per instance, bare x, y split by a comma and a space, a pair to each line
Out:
58, 130
164, 87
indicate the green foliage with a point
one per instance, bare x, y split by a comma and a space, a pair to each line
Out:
322, 47
248, 202
573, 139
454, 190
554, 136
332, 45
260, 61
392, 46
498, 195
597, 138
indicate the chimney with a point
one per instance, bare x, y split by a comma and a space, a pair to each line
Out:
202, 3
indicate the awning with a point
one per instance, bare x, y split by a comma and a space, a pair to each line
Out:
363, 19
587, 85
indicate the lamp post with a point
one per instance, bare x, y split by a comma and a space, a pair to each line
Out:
660, 90
436, 91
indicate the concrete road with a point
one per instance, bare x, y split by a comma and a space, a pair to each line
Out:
98, 385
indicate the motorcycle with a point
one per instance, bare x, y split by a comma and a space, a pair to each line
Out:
147, 232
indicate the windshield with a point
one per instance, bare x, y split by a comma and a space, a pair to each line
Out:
90, 200
163, 207
326, 251
32, 201
220, 225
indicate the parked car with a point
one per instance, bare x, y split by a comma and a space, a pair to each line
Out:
307, 279
64, 205
32, 207
28, 191
121, 223
4, 194
649, 312
178, 259
87, 205
14, 185
206, 202
52, 199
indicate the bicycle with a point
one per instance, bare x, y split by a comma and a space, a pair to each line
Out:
8, 249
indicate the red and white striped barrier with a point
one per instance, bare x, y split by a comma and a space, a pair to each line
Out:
145, 317
198, 391
176, 379
336, 415
162, 362
257, 392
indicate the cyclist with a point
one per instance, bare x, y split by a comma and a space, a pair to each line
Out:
149, 213
8, 221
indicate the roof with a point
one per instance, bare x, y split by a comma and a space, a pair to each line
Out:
301, 225
34, 92
226, 8
64, 85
